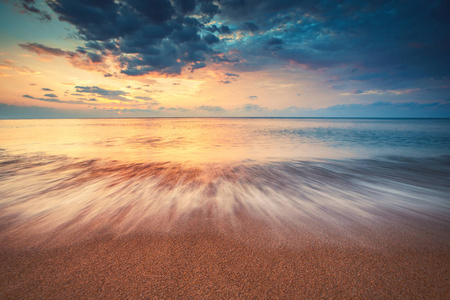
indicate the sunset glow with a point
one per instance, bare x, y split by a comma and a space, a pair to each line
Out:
166, 58
224, 149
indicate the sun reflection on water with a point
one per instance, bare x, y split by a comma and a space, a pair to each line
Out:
58, 177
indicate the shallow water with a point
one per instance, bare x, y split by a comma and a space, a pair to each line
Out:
224, 140
119, 174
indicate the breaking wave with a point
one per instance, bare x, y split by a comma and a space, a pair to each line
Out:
53, 194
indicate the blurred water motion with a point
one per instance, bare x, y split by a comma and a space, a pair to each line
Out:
118, 175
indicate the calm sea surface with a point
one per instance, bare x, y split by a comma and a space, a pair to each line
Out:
121, 173
225, 140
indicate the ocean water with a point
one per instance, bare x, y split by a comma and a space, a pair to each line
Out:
120, 175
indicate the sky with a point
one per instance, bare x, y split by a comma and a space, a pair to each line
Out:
227, 58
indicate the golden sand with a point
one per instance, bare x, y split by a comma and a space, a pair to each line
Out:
198, 263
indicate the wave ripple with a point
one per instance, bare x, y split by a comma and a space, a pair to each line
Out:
50, 194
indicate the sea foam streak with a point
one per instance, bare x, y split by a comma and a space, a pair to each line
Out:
49, 195
70, 179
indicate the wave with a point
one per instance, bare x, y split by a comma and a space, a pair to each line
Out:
44, 195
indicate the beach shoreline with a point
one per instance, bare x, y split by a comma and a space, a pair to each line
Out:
201, 262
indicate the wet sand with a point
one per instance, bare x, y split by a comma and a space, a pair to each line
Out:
203, 263
225, 208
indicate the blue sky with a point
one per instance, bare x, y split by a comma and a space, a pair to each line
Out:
131, 58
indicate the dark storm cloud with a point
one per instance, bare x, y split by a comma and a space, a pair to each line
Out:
47, 89
274, 41
197, 66
242, 10
398, 40
156, 35
383, 42
156, 11
185, 6
211, 39
224, 29
249, 26
95, 20
208, 8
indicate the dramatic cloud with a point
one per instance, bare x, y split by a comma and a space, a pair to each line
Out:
145, 36
249, 26
197, 66
356, 40
333, 53
223, 29
80, 58
211, 39
166, 36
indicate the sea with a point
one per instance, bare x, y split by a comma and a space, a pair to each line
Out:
118, 175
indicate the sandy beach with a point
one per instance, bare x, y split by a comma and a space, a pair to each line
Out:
224, 149
123, 221
204, 263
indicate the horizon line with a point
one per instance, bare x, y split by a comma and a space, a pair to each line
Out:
225, 117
